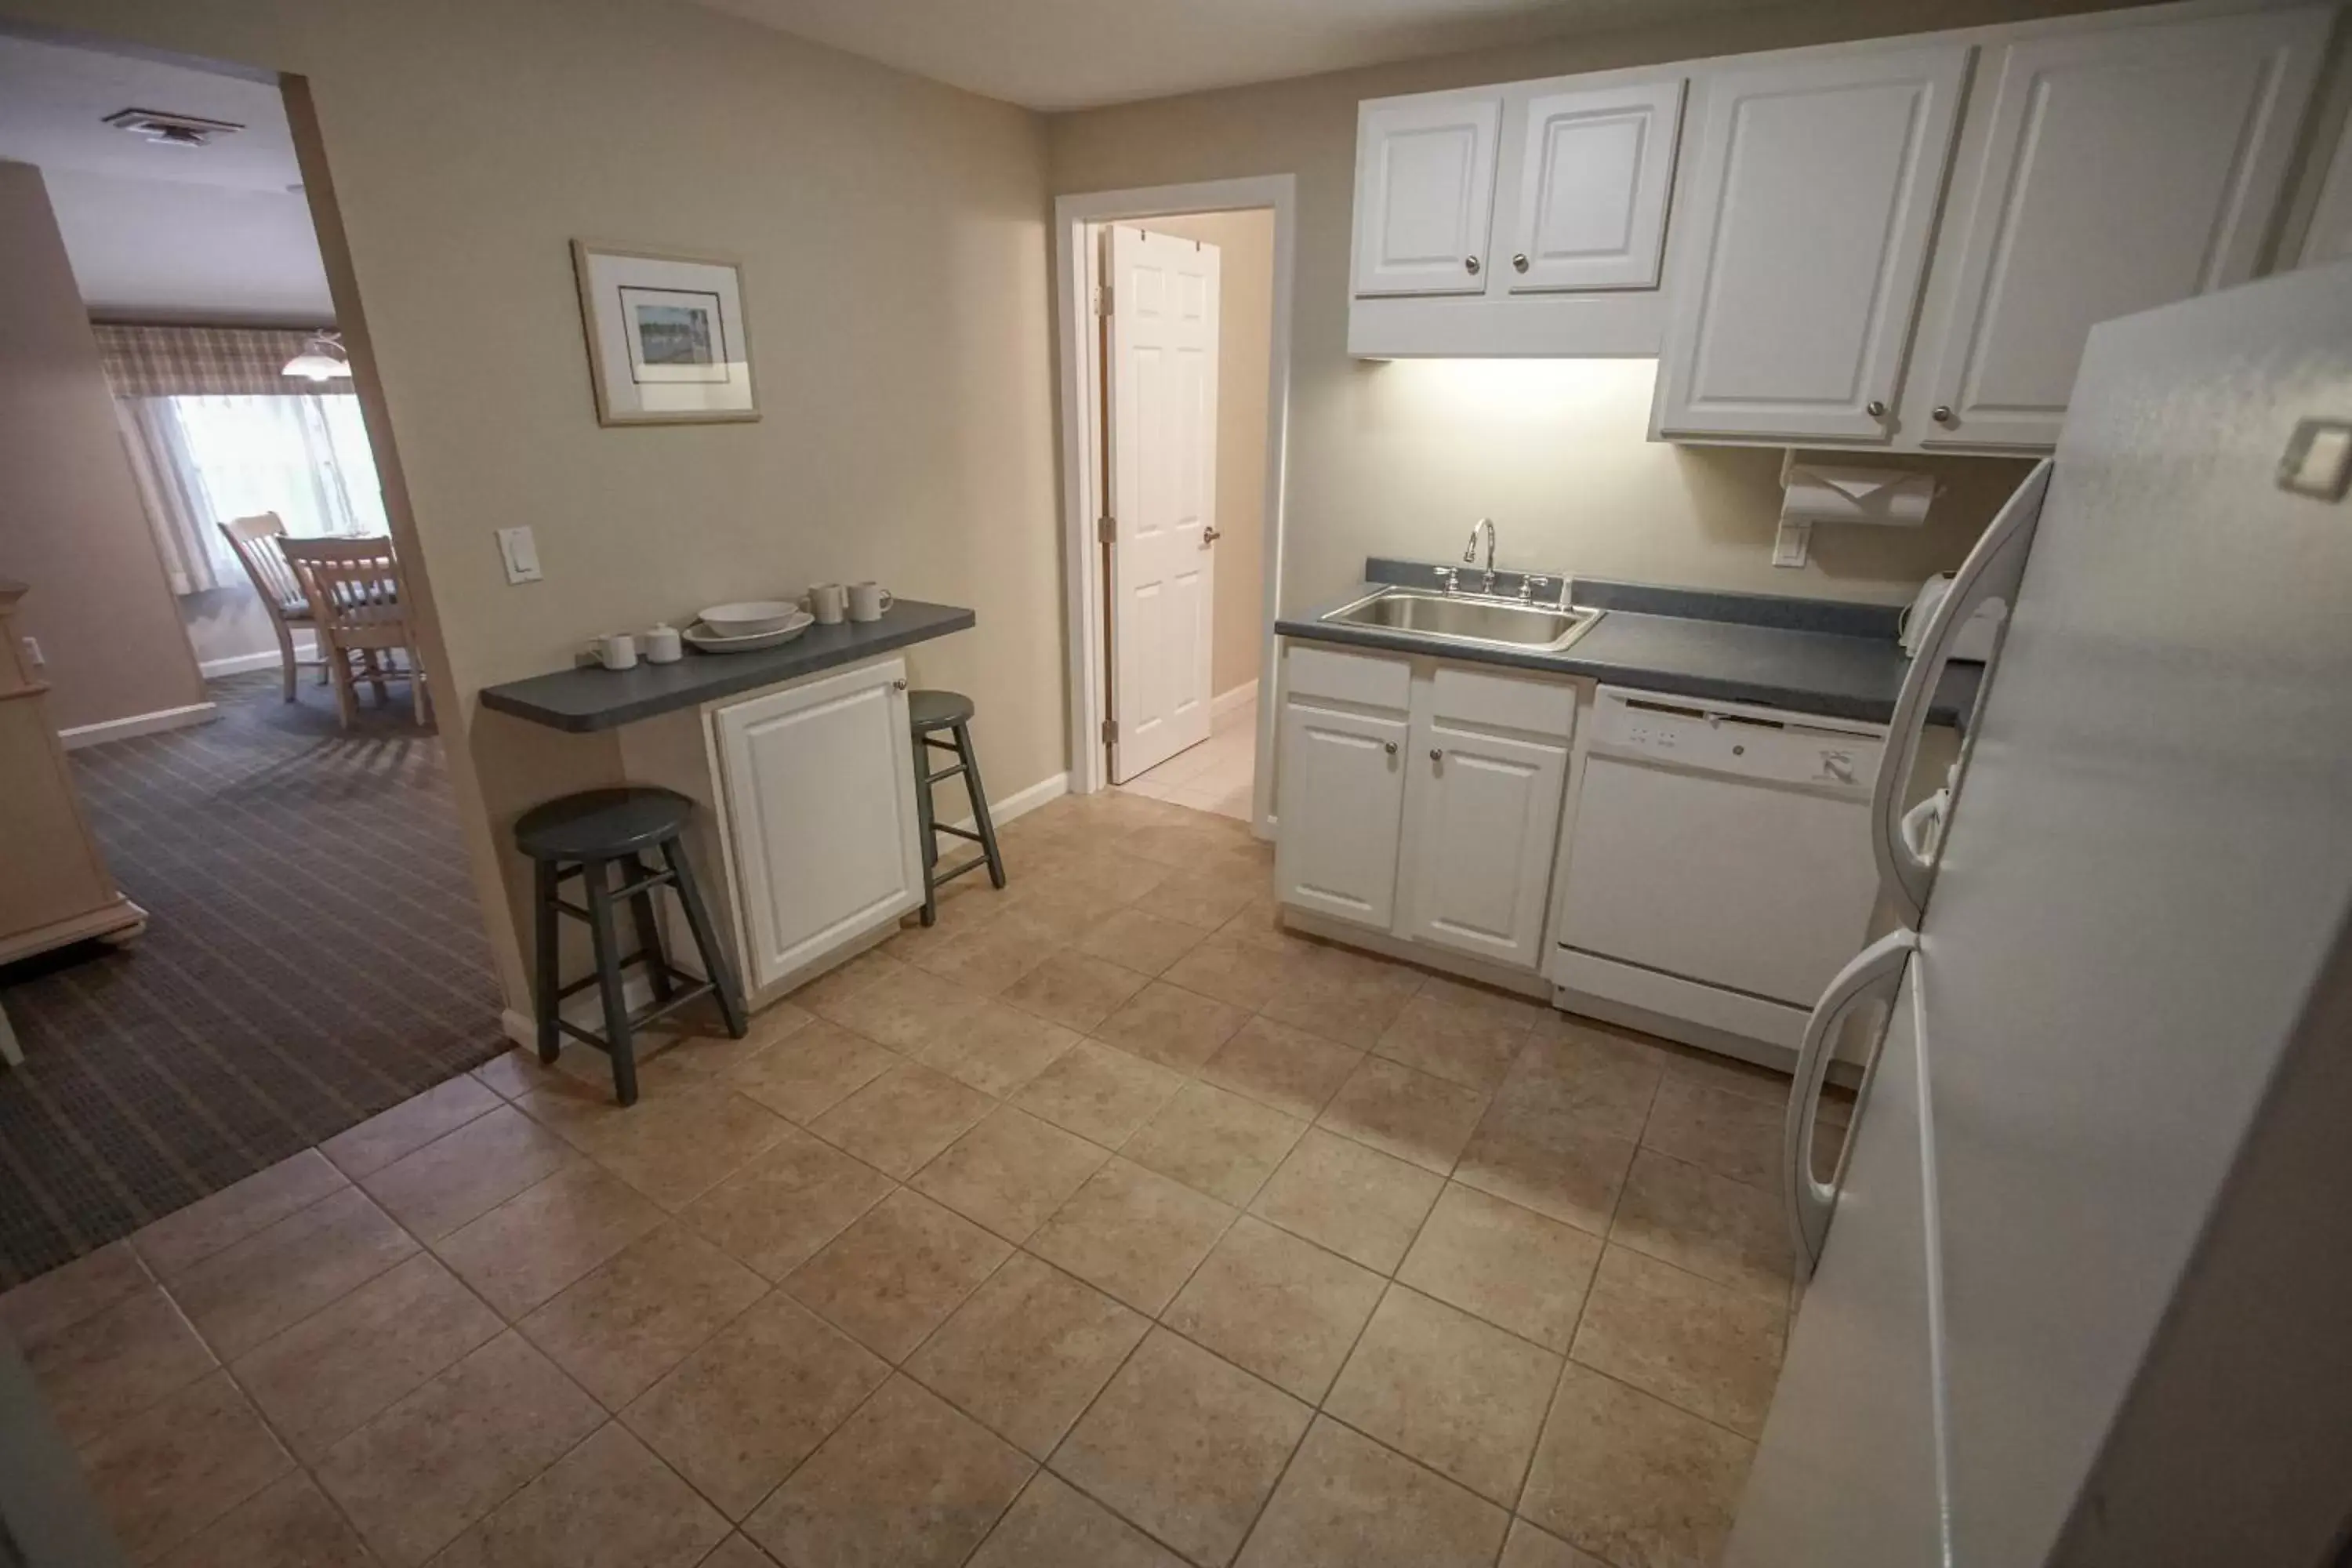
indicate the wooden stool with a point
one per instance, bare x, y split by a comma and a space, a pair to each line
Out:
926, 713
583, 836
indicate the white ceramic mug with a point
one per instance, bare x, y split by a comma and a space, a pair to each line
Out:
615, 650
868, 600
663, 645
829, 603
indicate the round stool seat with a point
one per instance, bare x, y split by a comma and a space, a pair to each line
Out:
937, 709
599, 823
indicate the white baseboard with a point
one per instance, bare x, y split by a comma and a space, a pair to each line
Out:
154, 724
1224, 702
240, 664
1020, 802
586, 1009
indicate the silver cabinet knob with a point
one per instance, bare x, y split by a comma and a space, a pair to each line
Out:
1437, 754
1520, 261
1470, 265
1390, 747
1941, 414
1876, 409
897, 686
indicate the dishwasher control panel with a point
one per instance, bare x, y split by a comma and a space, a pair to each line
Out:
1737, 739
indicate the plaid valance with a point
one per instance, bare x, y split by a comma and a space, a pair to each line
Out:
189, 362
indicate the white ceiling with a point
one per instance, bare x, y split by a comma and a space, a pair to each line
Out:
1072, 54
209, 232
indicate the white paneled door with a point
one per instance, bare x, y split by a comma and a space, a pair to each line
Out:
1160, 390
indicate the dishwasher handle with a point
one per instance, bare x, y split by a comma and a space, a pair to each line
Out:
1873, 972
1992, 569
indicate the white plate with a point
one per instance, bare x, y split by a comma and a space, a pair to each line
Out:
750, 617
700, 636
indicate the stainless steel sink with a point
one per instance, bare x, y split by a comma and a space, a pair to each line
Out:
1467, 618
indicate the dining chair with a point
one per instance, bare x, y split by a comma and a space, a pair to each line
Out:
362, 611
254, 540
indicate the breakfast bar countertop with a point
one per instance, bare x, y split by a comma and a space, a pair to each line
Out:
591, 698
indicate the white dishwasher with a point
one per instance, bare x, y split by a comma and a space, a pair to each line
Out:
1718, 868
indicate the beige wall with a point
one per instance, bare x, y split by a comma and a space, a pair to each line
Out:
70, 523
892, 237
1245, 242
1401, 458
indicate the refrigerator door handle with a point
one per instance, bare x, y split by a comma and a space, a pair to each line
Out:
1875, 971
1992, 571
1923, 826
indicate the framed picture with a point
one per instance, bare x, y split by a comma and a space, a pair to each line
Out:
666, 340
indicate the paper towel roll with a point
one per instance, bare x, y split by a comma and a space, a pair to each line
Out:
1886, 497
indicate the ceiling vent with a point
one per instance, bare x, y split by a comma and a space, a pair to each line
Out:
171, 129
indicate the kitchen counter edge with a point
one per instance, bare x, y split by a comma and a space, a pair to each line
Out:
589, 698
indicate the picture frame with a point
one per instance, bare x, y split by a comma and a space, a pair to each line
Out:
668, 338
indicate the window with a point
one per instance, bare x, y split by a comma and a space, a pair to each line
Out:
305, 457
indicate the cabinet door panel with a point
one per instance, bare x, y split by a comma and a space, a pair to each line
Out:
1342, 806
2125, 169
1425, 192
1808, 217
821, 810
1482, 815
1589, 204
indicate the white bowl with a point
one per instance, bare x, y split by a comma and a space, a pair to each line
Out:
750, 617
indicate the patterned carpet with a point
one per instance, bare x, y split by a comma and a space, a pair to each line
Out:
314, 956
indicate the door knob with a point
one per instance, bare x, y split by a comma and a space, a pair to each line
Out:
1941, 414
1470, 265
1437, 754
1876, 409
1520, 261
1390, 747
897, 686
1210, 535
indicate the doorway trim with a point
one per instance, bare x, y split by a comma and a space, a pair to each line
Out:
1079, 375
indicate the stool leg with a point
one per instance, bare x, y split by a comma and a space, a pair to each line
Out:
648, 919
705, 941
597, 875
925, 833
981, 819
549, 978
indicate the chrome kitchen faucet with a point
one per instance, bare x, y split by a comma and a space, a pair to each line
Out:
1485, 525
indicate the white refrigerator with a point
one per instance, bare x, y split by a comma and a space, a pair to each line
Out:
2083, 1287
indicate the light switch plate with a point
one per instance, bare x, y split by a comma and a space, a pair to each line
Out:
519, 554
2318, 459
1790, 544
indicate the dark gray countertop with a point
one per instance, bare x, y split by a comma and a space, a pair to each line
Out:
1808, 656
593, 697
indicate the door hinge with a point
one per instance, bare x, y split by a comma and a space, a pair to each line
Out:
1102, 300
1110, 731
1106, 529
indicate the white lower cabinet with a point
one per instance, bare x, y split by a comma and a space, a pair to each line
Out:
1481, 814
819, 790
1343, 802
1421, 799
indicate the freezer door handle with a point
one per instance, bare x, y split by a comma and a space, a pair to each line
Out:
1992, 571
1923, 826
1873, 972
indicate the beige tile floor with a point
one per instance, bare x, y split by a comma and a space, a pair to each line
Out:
1214, 776
1103, 1224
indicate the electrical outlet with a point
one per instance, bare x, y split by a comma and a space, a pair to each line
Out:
33, 651
520, 555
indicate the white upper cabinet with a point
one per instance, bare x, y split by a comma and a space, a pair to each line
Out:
1425, 192
1585, 207
2119, 170
1804, 236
